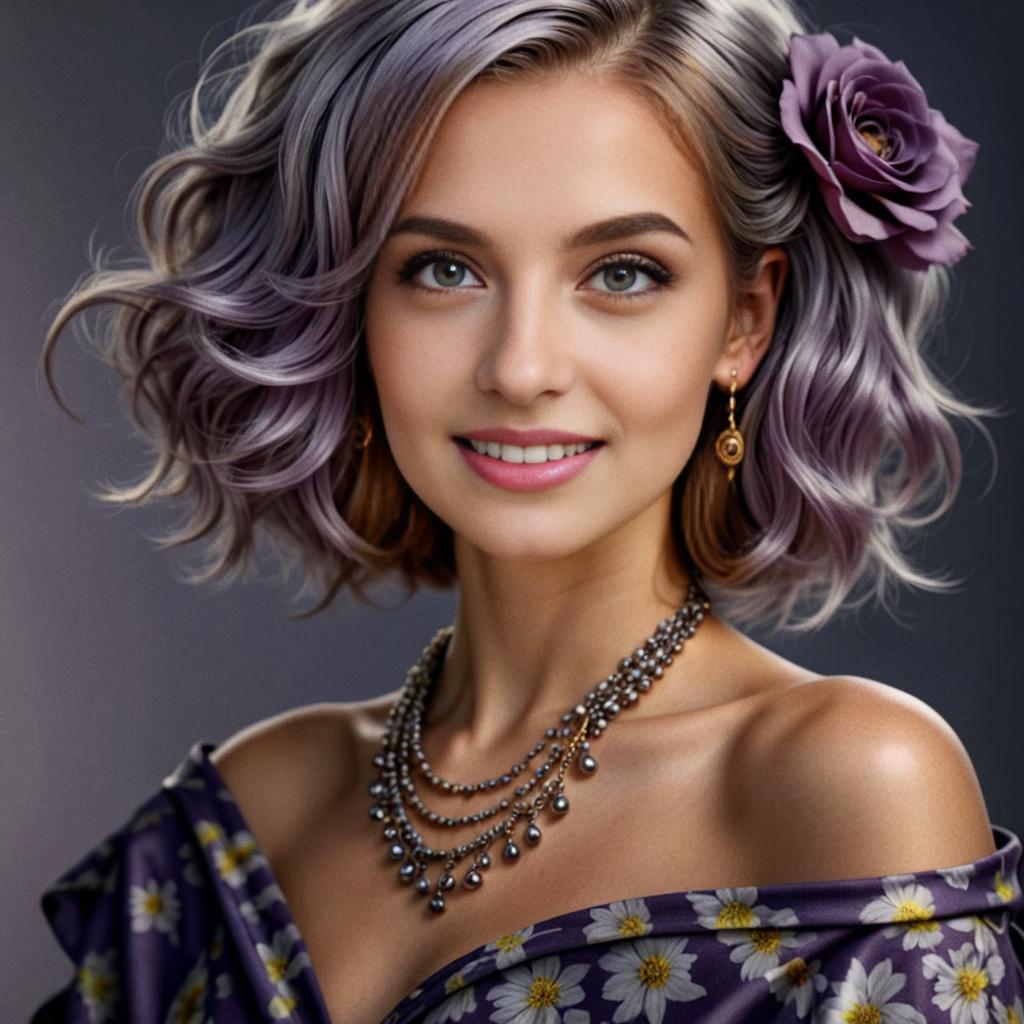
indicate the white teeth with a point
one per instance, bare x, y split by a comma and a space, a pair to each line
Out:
533, 453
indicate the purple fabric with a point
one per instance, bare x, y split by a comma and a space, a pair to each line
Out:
176, 918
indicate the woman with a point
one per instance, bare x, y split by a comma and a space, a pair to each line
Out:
610, 312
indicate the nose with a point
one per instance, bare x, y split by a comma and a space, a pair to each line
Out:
529, 351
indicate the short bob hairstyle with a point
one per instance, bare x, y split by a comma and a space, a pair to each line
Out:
238, 341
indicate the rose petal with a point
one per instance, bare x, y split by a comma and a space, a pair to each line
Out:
908, 215
794, 128
806, 55
964, 150
857, 223
919, 249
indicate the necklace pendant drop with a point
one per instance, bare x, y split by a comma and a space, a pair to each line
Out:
394, 793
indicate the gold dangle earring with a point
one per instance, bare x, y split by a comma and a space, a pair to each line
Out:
729, 446
366, 425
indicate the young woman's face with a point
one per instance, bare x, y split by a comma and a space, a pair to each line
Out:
612, 338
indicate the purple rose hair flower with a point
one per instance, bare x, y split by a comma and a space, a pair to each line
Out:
890, 168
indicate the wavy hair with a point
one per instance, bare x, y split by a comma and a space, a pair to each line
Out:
238, 342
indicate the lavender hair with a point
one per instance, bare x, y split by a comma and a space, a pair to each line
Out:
238, 341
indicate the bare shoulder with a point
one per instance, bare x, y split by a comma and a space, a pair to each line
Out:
848, 777
285, 769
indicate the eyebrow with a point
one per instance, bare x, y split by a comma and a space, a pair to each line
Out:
602, 231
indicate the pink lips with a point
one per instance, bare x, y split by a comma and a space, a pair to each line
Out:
524, 476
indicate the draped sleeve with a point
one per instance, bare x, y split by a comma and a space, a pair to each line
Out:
174, 917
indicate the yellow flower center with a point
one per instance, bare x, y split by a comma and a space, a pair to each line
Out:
875, 139
735, 915
281, 1006
95, 984
632, 926
909, 910
153, 903
1003, 888
208, 833
765, 940
507, 943
971, 983
543, 992
797, 972
862, 1014
655, 971
190, 1002
276, 967
454, 983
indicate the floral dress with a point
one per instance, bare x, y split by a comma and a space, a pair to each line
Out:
176, 918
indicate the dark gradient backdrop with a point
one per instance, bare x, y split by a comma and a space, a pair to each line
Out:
111, 668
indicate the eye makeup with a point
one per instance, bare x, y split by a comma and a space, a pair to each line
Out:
658, 273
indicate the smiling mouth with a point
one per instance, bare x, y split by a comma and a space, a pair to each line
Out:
533, 454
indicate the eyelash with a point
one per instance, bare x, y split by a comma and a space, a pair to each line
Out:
655, 271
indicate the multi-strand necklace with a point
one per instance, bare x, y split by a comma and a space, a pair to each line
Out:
402, 751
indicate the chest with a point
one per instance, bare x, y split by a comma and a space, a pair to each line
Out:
632, 830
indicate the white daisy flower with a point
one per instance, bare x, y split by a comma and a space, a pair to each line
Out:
510, 947
281, 967
623, 919
192, 871
982, 931
284, 1001
645, 974
862, 996
757, 950
98, 984
249, 912
155, 906
237, 857
1004, 888
208, 832
797, 982
459, 1000
958, 877
223, 986
269, 894
188, 1003
532, 993
576, 1017
1004, 1014
911, 909
729, 908
963, 981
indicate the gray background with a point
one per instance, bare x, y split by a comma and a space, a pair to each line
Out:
111, 668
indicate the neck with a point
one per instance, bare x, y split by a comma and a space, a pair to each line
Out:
532, 638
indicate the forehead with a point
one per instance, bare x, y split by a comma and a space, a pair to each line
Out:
532, 159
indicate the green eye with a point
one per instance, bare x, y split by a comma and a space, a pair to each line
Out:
450, 272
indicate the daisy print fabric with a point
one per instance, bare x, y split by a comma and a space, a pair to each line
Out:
176, 918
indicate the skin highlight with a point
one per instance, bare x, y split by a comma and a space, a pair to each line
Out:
555, 586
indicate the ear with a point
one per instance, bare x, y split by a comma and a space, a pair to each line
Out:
753, 323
